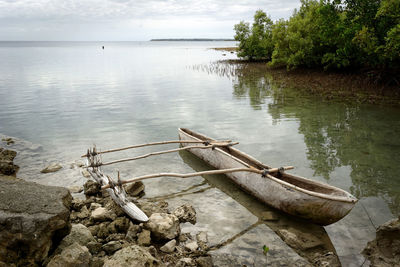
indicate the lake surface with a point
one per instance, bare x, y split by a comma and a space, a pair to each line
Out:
59, 98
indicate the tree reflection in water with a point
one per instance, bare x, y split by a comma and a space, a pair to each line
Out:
364, 137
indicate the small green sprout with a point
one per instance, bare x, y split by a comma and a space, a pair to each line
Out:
265, 250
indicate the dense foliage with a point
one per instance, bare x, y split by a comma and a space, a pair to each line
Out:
329, 33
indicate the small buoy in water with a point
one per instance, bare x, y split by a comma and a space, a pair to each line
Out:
103, 46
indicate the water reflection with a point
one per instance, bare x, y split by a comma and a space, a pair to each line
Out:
315, 240
337, 135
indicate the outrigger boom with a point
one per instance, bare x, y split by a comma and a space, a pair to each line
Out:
117, 191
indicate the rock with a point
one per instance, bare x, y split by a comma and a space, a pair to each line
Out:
119, 225
71, 256
204, 261
7, 166
8, 140
94, 229
299, 240
113, 207
184, 237
384, 250
131, 234
102, 214
135, 189
103, 231
111, 247
84, 213
94, 247
77, 204
132, 256
79, 234
185, 213
115, 237
169, 247
185, 262
144, 238
202, 240
150, 207
192, 246
91, 188
75, 189
96, 262
85, 173
269, 216
163, 226
327, 260
33, 219
94, 206
53, 167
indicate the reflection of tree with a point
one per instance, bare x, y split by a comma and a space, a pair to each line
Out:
365, 138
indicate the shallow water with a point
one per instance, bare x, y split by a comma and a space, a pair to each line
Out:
58, 99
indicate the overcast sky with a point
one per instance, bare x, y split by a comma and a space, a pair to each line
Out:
130, 20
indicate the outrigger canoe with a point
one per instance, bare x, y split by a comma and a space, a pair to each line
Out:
315, 201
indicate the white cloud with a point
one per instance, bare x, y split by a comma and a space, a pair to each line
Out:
116, 19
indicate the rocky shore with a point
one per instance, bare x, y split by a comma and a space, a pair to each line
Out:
45, 226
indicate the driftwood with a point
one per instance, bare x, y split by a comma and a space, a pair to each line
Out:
214, 145
264, 173
118, 194
159, 143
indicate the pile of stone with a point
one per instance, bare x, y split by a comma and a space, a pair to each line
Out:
102, 235
44, 226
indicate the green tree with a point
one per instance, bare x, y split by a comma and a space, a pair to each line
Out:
255, 43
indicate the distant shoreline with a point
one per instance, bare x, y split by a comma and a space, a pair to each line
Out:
189, 39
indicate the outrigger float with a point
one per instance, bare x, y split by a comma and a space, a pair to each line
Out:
315, 201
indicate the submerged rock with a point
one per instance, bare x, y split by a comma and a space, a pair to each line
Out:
163, 226
132, 256
52, 168
75, 189
299, 240
85, 173
8, 140
186, 213
269, 216
202, 240
71, 256
385, 249
33, 218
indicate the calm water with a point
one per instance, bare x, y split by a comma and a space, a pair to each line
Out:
58, 99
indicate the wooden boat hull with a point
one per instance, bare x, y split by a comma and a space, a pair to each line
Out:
289, 193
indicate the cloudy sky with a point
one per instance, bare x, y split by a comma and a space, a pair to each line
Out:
130, 20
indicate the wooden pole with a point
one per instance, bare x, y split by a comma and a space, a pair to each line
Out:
167, 151
160, 143
187, 175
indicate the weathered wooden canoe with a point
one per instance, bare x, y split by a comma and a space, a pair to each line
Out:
315, 201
